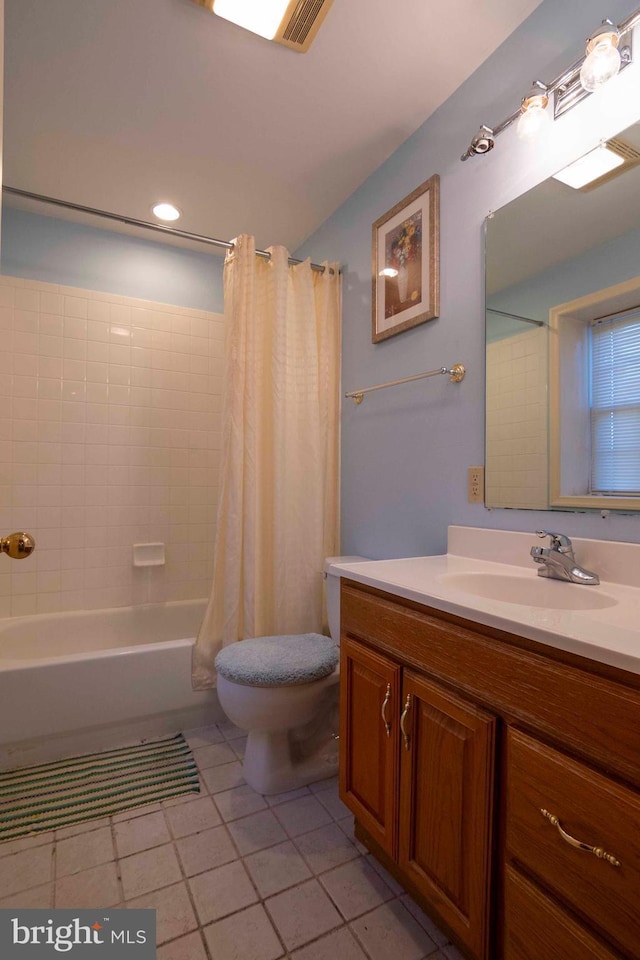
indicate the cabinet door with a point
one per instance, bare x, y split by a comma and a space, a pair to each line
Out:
369, 740
446, 805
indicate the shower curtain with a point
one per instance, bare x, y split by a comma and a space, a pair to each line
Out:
278, 509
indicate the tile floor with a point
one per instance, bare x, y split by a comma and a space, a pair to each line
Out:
232, 875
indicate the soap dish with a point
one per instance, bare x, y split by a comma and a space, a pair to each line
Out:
148, 554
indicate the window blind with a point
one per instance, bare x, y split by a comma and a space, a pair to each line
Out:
615, 405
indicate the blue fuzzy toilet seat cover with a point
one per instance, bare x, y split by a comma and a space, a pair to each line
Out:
278, 661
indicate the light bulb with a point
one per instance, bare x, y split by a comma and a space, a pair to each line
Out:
602, 61
534, 117
532, 122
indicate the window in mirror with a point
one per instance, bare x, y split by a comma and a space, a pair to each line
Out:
594, 394
615, 405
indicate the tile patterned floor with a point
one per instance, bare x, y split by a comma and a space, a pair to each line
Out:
232, 875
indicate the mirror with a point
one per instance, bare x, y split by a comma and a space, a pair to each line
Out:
561, 264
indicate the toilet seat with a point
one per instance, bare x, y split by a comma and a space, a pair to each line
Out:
279, 660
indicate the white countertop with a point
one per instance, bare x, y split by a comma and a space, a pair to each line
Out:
609, 634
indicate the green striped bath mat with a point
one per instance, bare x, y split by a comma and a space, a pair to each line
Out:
58, 794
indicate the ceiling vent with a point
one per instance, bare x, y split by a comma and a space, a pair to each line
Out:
300, 22
630, 158
626, 150
299, 29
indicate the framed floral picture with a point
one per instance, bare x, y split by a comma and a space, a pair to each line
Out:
406, 262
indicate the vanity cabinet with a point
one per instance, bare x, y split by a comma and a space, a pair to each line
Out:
417, 771
446, 804
369, 741
479, 766
537, 927
554, 804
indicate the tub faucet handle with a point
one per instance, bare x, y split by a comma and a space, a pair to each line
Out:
17, 545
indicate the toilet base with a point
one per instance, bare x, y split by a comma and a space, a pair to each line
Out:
278, 756
276, 761
270, 764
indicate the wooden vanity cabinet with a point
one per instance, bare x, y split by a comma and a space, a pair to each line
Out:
589, 808
446, 804
417, 771
455, 738
369, 741
537, 928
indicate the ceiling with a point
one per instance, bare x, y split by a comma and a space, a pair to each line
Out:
115, 105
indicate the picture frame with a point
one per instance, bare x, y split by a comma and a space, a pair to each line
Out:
406, 262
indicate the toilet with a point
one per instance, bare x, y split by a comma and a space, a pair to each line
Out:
284, 691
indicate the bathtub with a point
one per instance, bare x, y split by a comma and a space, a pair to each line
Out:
82, 681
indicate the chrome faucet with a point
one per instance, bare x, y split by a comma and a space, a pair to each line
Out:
558, 560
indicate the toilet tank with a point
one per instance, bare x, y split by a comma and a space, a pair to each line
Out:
332, 594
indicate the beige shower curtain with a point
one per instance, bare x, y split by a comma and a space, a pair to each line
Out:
278, 508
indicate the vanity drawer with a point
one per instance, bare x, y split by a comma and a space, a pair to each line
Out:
594, 810
536, 928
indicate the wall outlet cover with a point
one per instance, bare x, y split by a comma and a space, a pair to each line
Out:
475, 484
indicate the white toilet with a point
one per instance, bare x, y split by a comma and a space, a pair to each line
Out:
285, 692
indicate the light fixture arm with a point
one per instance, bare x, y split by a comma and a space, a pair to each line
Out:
556, 85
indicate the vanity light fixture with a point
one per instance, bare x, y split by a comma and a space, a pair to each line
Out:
165, 211
294, 23
483, 141
533, 112
608, 50
602, 60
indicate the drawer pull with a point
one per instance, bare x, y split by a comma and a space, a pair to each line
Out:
403, 719
596, 851
385, 704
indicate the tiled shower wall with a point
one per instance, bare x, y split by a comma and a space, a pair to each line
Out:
516, 425
110, 413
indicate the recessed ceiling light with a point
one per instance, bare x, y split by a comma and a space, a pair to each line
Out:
165, 211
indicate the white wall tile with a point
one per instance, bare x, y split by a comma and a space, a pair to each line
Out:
100, 388
27, 299
516, 421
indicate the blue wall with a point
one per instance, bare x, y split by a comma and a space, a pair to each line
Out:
405, 451
59, 251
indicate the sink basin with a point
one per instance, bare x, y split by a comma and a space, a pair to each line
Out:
531, 591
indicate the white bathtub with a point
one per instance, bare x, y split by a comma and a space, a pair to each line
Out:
81, 681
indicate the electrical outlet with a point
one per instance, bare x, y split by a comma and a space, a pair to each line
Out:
475, 484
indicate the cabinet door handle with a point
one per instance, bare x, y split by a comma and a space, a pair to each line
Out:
385, 704
403, 719
596, 851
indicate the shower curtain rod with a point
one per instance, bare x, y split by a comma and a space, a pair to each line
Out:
516, 316
131, 221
